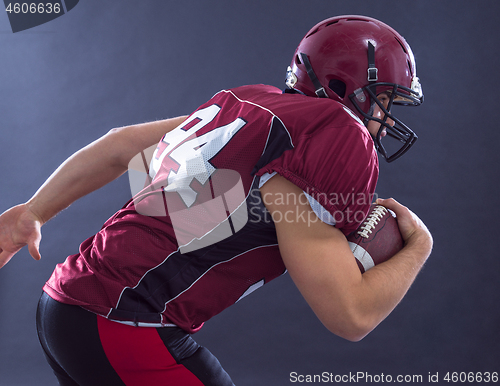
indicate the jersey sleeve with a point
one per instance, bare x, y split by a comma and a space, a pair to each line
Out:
337, 168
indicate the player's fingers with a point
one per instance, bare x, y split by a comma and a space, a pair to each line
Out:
407, 220
34, 246
402, 212
410, 225
395, 206
34, 250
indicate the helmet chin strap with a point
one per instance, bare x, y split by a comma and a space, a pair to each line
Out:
320, 90
372, 70
373, 78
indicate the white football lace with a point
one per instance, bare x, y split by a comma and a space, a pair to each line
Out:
371, 221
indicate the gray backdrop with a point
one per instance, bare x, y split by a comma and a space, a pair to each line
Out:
112, 63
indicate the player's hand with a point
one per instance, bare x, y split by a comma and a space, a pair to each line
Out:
412, 229
19, 226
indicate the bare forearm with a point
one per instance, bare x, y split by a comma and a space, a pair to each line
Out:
388, 282
384, 286
96, 165
85, 171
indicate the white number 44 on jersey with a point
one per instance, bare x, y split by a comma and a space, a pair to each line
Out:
205, 204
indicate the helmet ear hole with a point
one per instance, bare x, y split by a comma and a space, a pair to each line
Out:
338, 87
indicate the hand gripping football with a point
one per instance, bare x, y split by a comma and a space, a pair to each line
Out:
377, 239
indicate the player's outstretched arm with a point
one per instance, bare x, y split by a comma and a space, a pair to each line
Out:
85, 171
96, 165
321, 264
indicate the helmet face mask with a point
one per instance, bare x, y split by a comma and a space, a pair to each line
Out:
352, 59
401, 137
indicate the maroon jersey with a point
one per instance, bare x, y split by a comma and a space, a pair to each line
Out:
198, 237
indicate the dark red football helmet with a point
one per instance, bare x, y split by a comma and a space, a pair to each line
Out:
352, 59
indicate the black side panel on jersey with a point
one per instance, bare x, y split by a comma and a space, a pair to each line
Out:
145, 302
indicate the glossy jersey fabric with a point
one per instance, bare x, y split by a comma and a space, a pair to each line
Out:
198, 238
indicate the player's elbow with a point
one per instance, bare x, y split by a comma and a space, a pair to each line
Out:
355, 336
351, 327
352, 334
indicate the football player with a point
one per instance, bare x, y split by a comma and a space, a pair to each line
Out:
254, 183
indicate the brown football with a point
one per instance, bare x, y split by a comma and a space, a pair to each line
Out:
377, 239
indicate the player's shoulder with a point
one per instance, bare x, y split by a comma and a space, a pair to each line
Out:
312, 116
256, 88
302, 115
293, 104
249, 92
